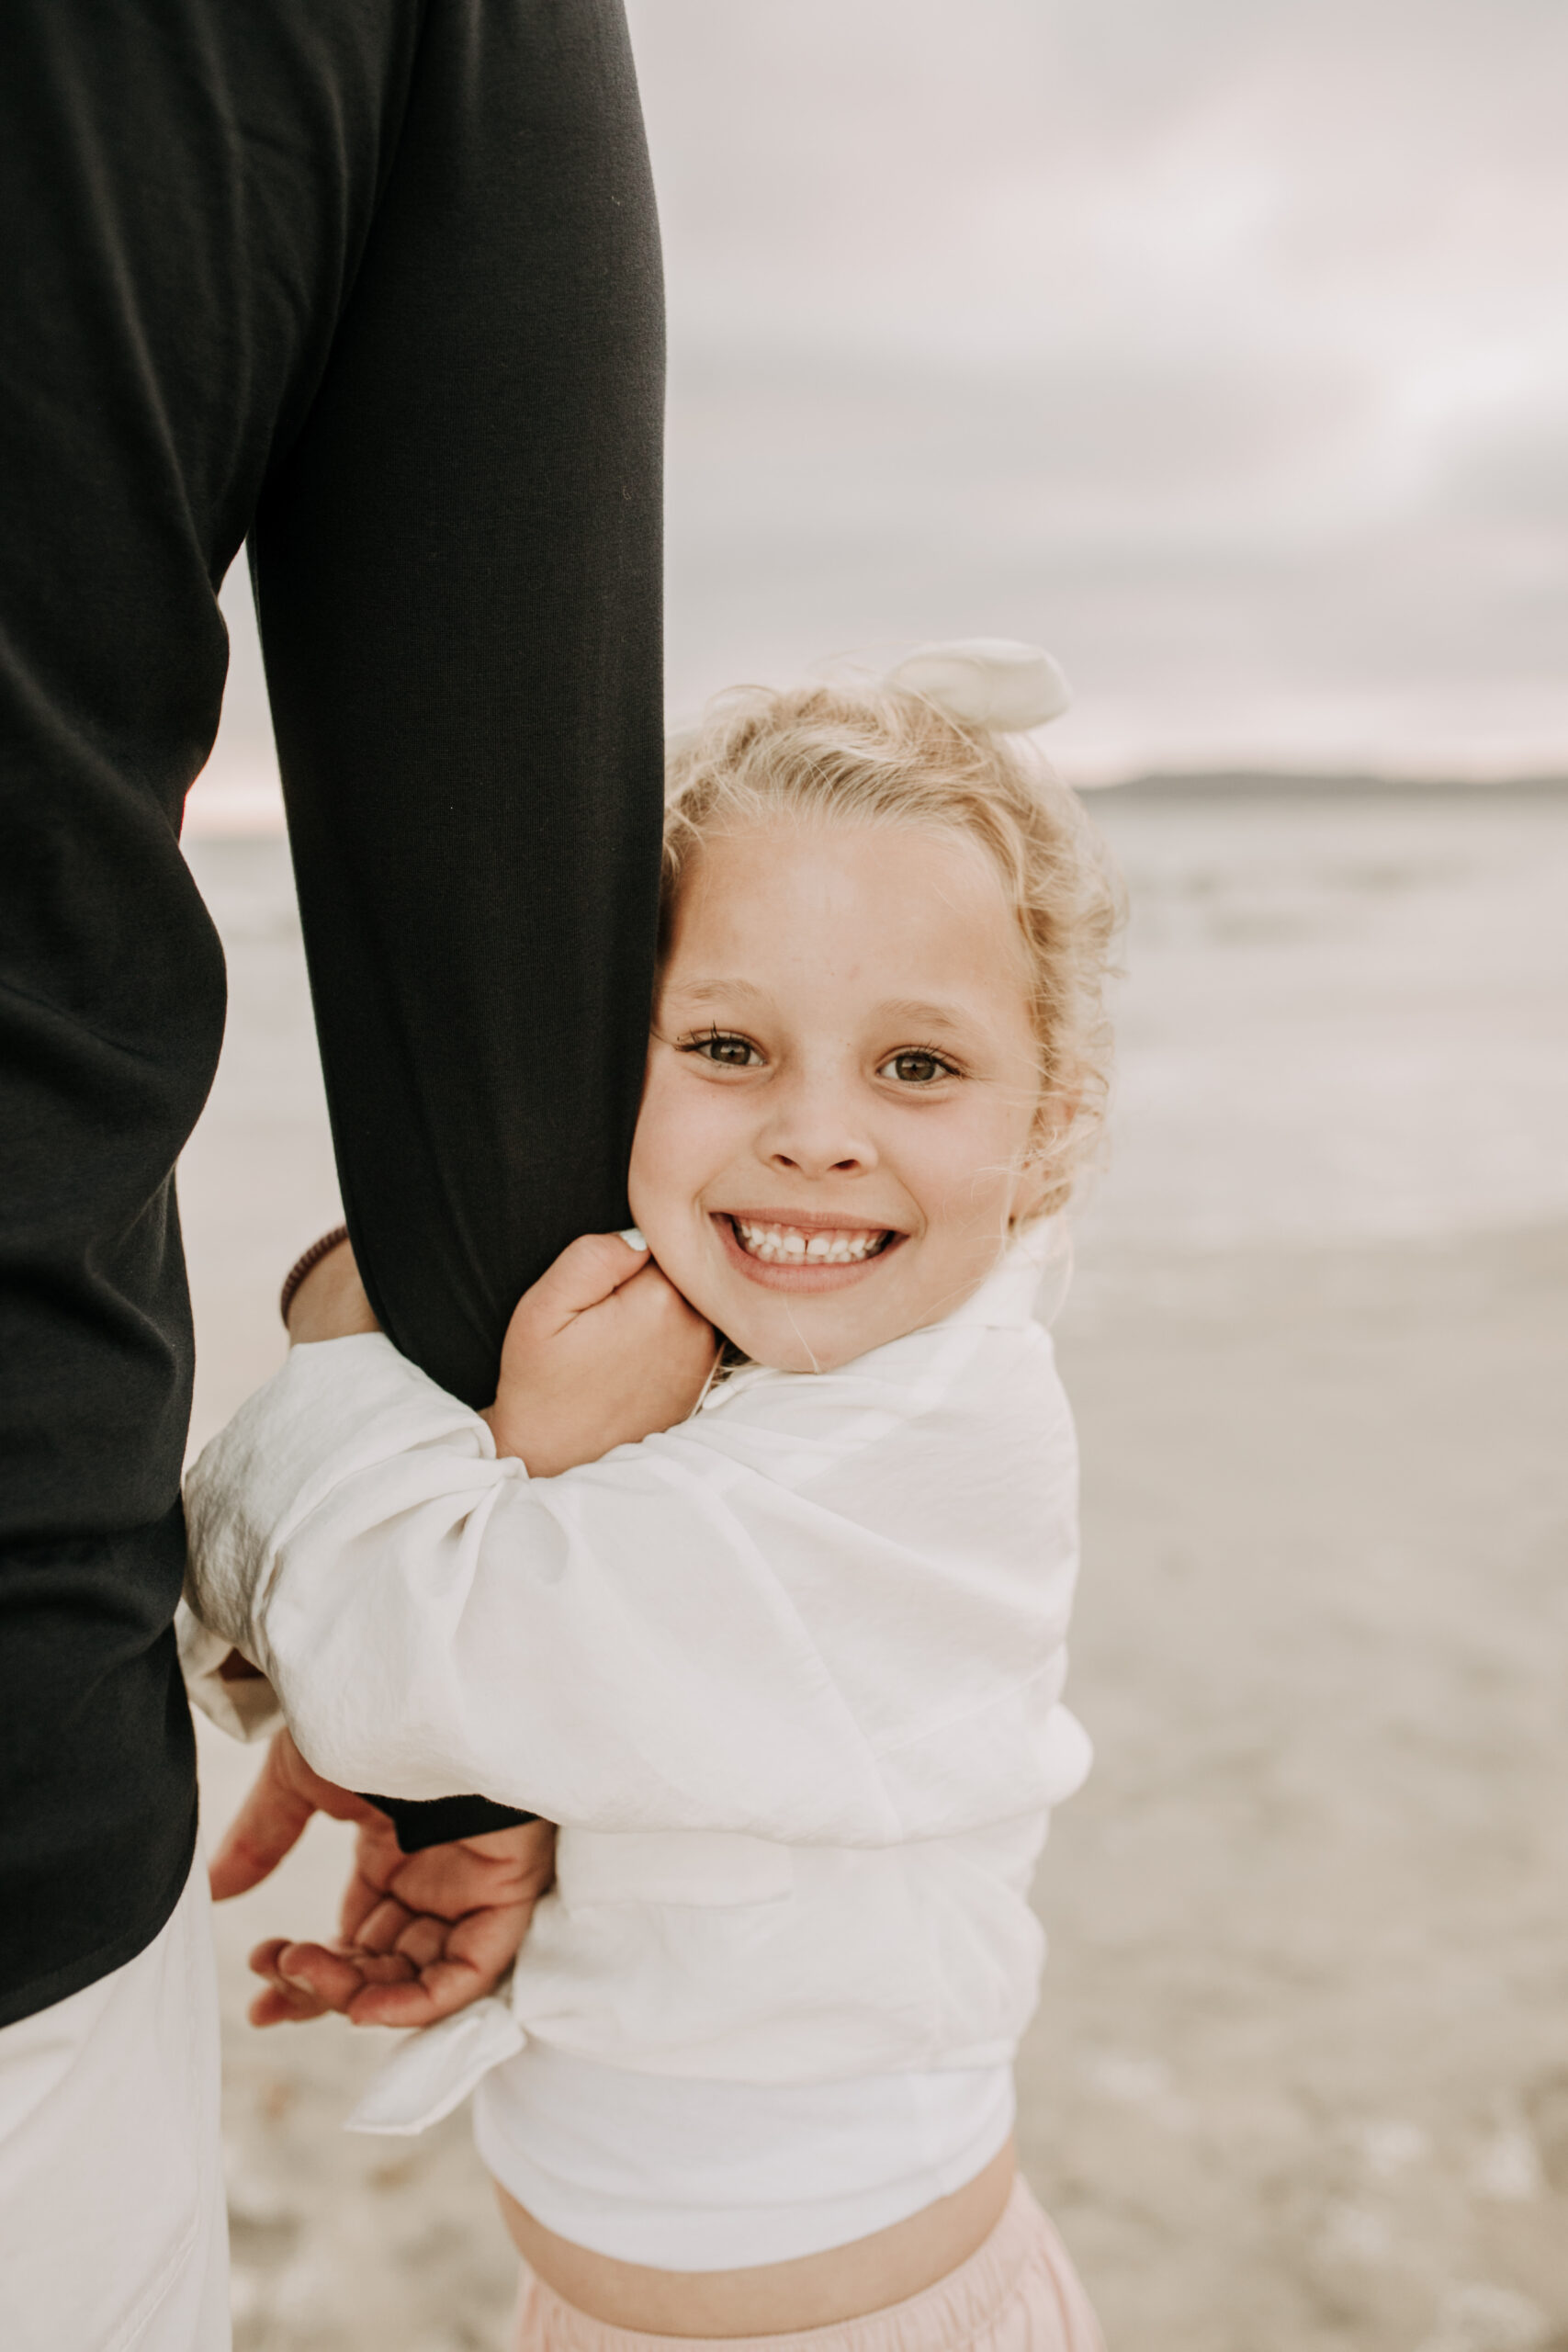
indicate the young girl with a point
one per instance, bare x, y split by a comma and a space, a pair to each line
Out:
787, 1668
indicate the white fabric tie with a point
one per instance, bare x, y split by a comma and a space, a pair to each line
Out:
435, 2070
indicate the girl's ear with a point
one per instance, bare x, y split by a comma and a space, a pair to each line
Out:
1053, 1120
1032, 1180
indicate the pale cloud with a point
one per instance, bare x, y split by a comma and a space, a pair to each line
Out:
1220, 344
1223, 344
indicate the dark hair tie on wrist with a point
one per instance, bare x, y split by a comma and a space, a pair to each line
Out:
303, 1265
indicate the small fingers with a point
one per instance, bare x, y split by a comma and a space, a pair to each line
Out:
663, 1329
586, 1273
658, 1307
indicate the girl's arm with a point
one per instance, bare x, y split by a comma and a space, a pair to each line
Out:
600, 1350
828, 1610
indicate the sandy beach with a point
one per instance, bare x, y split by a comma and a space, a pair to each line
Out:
1300, 2078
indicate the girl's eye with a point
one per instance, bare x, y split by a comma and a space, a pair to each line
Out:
916, 1067
728, 1053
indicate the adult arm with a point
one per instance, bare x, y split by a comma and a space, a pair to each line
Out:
458, 572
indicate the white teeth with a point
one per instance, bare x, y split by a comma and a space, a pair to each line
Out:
790, 1245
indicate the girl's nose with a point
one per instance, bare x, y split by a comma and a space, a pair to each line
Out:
815, 1134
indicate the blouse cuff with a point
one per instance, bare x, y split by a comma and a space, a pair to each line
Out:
247, 1710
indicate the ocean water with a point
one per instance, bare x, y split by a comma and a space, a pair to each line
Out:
1341, 1021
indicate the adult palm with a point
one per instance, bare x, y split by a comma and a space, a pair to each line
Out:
422, 1935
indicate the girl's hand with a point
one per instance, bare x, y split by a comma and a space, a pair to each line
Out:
601, 1351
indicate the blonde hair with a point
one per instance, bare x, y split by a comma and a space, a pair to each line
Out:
875, 753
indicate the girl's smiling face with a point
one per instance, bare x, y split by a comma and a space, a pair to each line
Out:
843, 1083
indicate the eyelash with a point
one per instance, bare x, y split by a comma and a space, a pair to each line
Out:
945, 1067
718, 1037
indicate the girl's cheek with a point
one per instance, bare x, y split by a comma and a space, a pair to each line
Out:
685, 1135
974, 1195
970, 1161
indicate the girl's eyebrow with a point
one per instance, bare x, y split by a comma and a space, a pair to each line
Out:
930, 1016
917, 1011
714, 991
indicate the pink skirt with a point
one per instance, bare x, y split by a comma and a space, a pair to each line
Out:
1018, 2292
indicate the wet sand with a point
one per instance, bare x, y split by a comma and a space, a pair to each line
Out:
1300, 2078
1301, 2075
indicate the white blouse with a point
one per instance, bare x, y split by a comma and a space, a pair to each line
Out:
701, 2176
788, 1677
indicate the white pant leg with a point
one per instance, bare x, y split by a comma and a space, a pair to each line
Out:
113, 2233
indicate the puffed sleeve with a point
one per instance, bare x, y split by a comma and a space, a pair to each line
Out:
830, 1611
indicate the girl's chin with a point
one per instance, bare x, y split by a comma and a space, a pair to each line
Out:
781, 1343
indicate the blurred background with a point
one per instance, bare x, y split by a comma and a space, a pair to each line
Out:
1224, 349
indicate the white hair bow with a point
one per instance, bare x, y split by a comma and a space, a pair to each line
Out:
987, 682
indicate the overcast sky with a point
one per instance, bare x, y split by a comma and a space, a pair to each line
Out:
1220, 344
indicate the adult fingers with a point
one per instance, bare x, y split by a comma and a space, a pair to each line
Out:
277, 2006
307, 1973
382, 1927
486, 1940
439, 1991
471, 1874
340, 1803
378, 1858
399, 2005
424, 1941
266, 1826
476, 1955
293, 1997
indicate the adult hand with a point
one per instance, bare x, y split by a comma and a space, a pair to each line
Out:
601, 1350
279, 1802
421, 1934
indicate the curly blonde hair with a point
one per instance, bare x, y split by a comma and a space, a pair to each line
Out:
876, 753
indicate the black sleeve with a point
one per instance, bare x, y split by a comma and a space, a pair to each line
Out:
376, 285
457, 575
